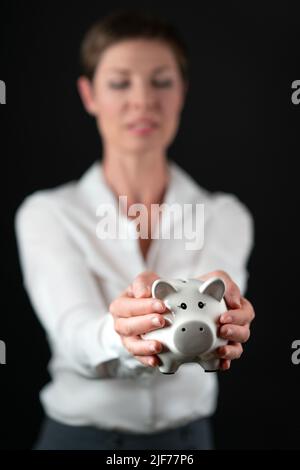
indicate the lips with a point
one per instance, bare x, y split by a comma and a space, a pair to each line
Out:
142, 124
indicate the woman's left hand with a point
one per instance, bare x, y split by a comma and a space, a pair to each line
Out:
234, 325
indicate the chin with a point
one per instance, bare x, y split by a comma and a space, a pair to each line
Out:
146, 146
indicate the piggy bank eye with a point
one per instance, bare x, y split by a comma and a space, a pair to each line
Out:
183, 305
201, 304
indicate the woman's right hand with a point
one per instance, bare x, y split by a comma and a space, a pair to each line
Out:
137, 313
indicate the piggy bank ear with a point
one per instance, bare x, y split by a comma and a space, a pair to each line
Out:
215, 287
161, 289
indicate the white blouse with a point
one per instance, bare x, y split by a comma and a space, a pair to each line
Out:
71, 276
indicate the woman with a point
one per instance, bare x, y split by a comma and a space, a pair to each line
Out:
92, 292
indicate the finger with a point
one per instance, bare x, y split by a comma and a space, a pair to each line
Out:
230, 351
134, 326
151, 361
129, 291
127, 307
225, 364
232, 291
142, 284
241, 316
232, 294
141, 347
237, 333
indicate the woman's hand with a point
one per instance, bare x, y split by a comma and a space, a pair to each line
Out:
235, 323
135, 312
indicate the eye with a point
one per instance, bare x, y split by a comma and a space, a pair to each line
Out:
183, 306
201, 304
118, 85
162, 83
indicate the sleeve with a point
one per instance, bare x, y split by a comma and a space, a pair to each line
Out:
229, 239
65, 295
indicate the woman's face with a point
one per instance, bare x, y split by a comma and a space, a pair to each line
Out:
137, 95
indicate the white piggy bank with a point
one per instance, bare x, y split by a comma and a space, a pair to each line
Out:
190, 334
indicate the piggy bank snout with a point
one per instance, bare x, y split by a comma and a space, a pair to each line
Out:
193, 337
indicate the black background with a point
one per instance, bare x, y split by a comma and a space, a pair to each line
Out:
239, 133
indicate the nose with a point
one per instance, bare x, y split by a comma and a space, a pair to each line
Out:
193, 338
142, 96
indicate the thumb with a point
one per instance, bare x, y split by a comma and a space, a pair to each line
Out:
232, 291
142, 284
232, 294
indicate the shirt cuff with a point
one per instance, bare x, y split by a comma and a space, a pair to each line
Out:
108, 354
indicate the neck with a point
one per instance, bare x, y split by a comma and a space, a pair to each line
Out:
142, 178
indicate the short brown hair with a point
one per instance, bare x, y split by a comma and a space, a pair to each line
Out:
129, 24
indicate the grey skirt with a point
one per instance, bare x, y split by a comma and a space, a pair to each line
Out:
196, 435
